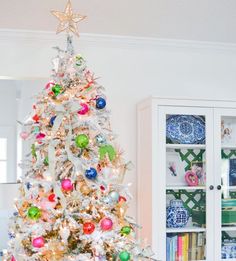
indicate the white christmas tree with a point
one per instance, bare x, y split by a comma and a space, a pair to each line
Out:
72, 203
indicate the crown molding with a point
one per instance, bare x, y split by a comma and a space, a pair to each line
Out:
113, 41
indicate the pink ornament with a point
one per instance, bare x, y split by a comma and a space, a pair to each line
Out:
24, 135
40, 136
191, 178
84, 109
67, 185
106, 224
13, 258
38, 242
49, 84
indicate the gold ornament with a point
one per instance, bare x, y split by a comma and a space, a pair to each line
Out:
68, 19
85, 189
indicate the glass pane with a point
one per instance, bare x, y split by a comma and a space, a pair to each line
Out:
3, 171
185, 129
185, 246
3, 148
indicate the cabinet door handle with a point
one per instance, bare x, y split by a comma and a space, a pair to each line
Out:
211, 187
219, 187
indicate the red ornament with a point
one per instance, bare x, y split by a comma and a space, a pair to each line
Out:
102, 188
36, 118
122, 199
51, 197
88, 228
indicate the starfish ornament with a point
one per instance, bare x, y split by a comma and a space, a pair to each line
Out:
68, 19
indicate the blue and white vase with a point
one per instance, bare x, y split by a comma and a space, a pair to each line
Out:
176, 214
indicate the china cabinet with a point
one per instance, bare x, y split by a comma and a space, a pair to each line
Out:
187, 178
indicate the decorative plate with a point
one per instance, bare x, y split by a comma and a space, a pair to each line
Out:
185, 129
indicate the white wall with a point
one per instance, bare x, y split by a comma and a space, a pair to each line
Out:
131, 69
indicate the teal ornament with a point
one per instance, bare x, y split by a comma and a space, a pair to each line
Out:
56, 89
114, 195
124, 256
107, 150
34, 213
82, 141
36, 129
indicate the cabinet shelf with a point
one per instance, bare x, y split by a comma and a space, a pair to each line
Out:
229, 147
186, 188
185, 230
233, 228
185, 146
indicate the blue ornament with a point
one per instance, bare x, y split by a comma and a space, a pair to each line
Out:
28, 185
91, 173
11, 235
52, 120
15, 214
100, 103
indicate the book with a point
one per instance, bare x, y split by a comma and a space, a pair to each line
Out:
179, 248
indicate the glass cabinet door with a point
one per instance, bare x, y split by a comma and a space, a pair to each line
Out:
188, 156
226, 181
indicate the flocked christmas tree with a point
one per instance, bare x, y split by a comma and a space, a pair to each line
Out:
72, 203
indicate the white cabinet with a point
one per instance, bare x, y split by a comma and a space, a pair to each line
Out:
187, 178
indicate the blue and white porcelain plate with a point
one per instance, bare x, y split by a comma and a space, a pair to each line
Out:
185, 129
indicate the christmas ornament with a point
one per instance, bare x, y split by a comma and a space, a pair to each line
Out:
125, 231
100, 103
52, 120
107, 150
34, 213
56, 89
38, 242
46, 161
114, 195
122, 199
51, 197
24, 135
84, 109
85, 189
82, 141
106, 224
124, 256
68, 20
91, 173
49, 85
13, 258
88, 228
36, 118
100, 139
36, 129
40, 136
66, 185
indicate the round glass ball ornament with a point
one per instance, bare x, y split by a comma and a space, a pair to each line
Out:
106, 224
38, 242
125, 231
88, 228
100, 139
84, 109
82, 141
100, 103
67, 185
114, 195
52, 120
34, 213
91, 173
84, 189
177, 215
124, 256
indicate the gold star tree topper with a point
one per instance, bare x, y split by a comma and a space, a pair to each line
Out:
68, 20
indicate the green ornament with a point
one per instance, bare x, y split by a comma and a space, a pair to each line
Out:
82, 141
33, 151
56, 89
34, 213
46, 161
124, 256
107, 149
125, 231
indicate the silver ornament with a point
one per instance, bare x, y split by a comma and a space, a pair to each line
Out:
100, 139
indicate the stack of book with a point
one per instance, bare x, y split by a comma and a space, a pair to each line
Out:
185, 247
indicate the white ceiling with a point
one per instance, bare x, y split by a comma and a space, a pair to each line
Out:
202, 20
